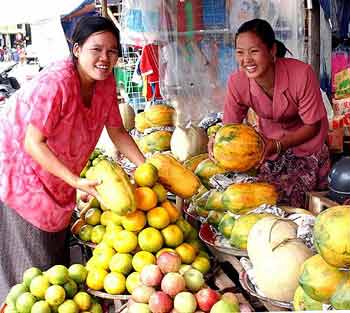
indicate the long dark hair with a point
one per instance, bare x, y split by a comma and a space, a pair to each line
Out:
265, 32
88, 25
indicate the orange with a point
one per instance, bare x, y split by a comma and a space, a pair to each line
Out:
132, 281
141, 259
186, 252
158, 218
172, 210
150, 239
201, 264
160, 191
134, 221
146, 198
115, 283
126, 241
83, 300
95, 278
93, 216
146, 175
173, 235
108, 217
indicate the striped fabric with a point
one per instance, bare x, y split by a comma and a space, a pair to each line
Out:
23, 246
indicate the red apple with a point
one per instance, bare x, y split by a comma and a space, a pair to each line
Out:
160, 302
142, 293
206, 298
194, 279
151, 275
169, 262
172, 284
185, 302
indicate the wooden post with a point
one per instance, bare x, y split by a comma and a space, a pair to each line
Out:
313, 26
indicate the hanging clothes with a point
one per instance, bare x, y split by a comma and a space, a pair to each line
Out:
149, 66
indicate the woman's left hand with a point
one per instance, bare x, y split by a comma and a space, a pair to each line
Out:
88, 186
270, 147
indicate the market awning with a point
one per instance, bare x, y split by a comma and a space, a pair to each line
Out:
24, 11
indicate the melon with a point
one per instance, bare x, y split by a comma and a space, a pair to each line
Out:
277, 270
332, 236
238, 147
267, 233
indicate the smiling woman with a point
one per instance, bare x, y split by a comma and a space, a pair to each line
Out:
285, 95
46, 138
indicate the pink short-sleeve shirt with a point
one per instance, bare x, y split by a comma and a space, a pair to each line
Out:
51, 102
297, 101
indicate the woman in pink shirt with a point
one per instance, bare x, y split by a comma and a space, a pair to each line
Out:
285, 95
47, 133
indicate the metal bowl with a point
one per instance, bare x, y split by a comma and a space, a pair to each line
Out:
250, 288
208, 234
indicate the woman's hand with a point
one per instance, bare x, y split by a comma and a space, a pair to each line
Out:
270, 147
88, 186
211, 147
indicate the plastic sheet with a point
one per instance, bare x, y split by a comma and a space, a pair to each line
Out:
195, 40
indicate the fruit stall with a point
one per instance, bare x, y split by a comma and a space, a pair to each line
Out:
185, 232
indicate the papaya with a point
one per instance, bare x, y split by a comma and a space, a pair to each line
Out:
302, 302
244, 197
214, 201
156, 141
206, 169
141, 123
340, 300
226, 225
332, 235
242, 227
115, 190
174, 176
319, 279
160, 115
238, 147
193, 162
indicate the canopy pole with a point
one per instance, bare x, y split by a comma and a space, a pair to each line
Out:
104, 8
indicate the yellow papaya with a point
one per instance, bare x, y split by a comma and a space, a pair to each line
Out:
115, 190
174, 176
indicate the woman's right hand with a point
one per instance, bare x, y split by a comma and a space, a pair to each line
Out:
211, 147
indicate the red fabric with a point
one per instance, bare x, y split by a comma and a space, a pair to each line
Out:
52, 102
149, 67
296, 101
197, 18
